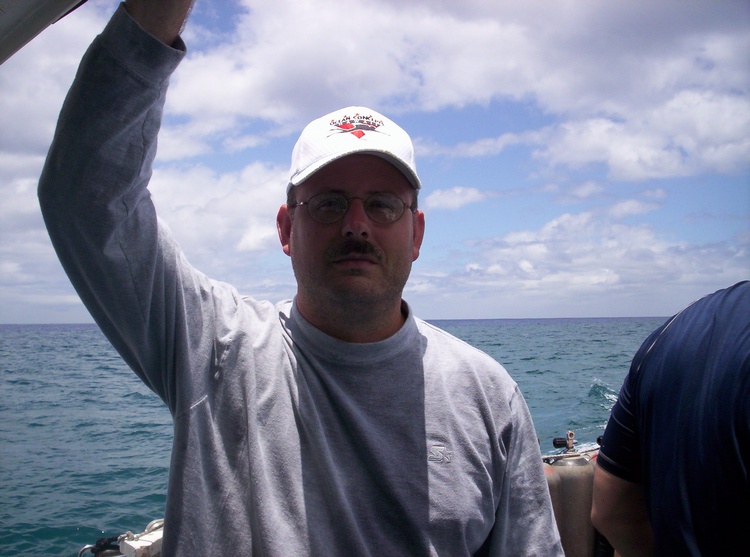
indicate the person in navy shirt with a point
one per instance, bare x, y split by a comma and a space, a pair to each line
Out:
672, 475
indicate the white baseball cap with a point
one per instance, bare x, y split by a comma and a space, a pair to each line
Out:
347, 131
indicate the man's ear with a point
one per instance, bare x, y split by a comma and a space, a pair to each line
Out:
284, 228
418, 233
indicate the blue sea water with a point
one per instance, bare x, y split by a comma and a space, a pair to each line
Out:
85, 447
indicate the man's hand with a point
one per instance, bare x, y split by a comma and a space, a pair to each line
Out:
164, 19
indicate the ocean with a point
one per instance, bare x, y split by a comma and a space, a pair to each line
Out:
85, 447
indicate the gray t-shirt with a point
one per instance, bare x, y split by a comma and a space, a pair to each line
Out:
286, 441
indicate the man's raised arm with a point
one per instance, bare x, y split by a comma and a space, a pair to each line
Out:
93, 193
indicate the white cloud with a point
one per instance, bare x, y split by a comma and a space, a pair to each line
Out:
657, 193
647, 90
692, 133
581, 264
454, 198
485, 147
629, 207
258, 238
587, 189
646, 103
217, 215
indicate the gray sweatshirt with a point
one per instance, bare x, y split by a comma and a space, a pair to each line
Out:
287, 442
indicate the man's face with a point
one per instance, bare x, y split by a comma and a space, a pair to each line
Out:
354, 262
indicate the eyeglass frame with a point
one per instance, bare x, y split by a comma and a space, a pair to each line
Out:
411, 206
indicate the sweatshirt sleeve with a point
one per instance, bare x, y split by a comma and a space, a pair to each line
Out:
149, 302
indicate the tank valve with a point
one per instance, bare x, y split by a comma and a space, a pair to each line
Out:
568, 443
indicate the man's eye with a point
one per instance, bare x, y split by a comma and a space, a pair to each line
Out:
329, 203
385, 203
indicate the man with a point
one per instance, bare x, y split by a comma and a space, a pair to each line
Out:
672, 474
334, 424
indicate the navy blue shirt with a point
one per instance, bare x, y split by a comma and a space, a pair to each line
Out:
681, 427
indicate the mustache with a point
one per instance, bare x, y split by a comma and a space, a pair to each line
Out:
361, 247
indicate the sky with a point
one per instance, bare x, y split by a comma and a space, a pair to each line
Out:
579, 158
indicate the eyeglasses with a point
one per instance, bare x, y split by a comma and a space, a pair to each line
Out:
330, 207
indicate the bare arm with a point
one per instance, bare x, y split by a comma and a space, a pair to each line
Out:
164, 19
619, 513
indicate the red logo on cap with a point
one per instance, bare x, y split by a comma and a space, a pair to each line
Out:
356, 125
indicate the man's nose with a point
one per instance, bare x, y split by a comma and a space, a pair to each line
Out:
356, 222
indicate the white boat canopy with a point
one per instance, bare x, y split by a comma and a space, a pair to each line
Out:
22, 20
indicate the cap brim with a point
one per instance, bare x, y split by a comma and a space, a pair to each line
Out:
311, 169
